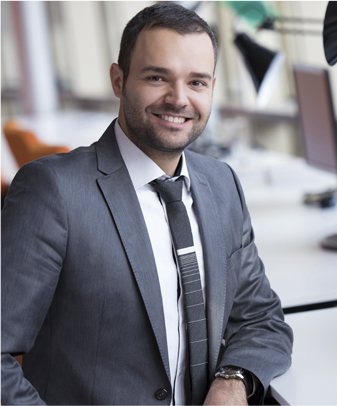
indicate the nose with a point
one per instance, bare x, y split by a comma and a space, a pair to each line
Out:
177, 95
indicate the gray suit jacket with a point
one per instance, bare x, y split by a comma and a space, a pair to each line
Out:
80, 291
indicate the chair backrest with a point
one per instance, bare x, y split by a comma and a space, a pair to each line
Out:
25, 146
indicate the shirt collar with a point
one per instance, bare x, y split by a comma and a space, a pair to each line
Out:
141, 168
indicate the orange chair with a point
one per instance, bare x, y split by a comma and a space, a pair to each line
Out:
25, 146
4, 190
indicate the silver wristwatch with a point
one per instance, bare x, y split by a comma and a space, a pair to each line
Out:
231, 372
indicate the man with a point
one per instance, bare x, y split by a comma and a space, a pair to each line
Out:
93, 290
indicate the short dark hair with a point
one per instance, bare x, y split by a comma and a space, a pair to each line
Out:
166, 15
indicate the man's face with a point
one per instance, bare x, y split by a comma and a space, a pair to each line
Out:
166, 101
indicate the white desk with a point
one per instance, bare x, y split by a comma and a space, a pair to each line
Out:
287, 232
315, 350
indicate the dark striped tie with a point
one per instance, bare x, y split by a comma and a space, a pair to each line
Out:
171, 192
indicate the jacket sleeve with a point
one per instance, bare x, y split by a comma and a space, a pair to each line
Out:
34, 238
256, 336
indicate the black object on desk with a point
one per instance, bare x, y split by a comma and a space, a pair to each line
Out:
324, 199
319, 134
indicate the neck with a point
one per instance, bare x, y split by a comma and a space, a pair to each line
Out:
169, 166
166, 160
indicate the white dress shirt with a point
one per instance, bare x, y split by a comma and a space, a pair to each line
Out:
143, 170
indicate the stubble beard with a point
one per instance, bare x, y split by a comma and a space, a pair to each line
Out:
144, 134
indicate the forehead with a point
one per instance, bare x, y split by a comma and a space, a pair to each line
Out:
169, 49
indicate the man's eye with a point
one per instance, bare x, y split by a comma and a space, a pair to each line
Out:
197, 83
155, 78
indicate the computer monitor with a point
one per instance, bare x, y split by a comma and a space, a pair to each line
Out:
318, 125
317, 117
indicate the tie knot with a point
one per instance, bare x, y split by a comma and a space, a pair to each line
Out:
170, 191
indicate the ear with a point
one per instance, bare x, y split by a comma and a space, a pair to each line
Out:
116, 77
214, 80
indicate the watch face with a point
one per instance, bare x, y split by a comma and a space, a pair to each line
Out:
231, 373
232, 370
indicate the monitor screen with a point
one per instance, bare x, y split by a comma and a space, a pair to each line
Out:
317, 117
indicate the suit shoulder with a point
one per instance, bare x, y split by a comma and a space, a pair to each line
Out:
77, 158
77, 154
64, 169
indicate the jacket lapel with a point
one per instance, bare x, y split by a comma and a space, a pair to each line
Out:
214, 243
123, 203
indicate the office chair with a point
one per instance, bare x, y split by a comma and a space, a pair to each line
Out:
25, 146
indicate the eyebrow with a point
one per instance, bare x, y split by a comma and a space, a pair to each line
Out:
165, 71
201, 75
156, 69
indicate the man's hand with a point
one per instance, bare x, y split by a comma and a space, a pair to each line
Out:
226, 392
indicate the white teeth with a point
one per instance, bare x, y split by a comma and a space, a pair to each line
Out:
171, 119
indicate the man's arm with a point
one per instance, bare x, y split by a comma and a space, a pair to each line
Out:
34, 236
256, 337
222, 392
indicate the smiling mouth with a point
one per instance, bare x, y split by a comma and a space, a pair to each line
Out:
172, 119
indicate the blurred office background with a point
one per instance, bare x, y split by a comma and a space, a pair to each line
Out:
56, 57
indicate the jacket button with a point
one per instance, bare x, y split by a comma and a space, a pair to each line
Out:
161, 394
